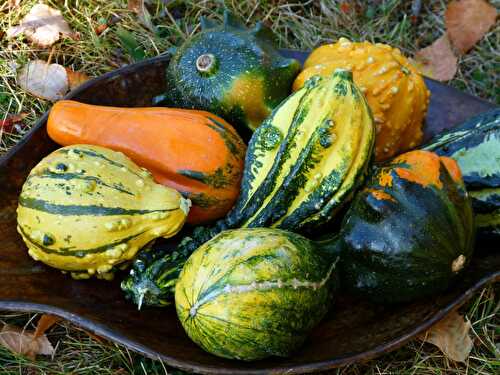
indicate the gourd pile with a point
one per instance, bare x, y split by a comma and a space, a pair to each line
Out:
275, 227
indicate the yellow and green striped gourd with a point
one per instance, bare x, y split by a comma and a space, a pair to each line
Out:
85, 209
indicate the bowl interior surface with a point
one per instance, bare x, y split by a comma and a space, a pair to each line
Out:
354, 330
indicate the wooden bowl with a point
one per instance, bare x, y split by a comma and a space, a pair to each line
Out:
353, 331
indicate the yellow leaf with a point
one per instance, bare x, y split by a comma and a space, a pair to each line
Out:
467, 21
438, 60
24, 342
451, 336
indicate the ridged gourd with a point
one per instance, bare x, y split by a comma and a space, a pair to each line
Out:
253, 293
475, 146
394, 89
86, 209
302, 165
232, 71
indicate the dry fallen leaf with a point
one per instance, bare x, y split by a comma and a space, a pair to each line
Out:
24, 342
451, 336
42, 25
47, 81
75, 79
7, 124
437, 60
44, 323
467, 21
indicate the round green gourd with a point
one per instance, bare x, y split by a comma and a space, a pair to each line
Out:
231, 71
409, 232
252, 293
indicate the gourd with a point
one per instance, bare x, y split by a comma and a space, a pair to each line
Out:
86, 209
301, 167
394, 89
195, 152
252, 293
409, 232
231, 71
256, 292
475, 146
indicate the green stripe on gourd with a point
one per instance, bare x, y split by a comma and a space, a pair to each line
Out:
475, 146
323, 134
79, 176
86, 218
252, 293
72, 210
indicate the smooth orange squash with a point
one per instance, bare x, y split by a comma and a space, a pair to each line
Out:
194, 152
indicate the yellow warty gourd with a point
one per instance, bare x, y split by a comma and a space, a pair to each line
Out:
85, 209
394, 89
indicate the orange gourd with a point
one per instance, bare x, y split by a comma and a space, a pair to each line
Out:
194, 152
394, 89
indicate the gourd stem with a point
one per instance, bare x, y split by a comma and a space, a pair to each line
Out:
206, 63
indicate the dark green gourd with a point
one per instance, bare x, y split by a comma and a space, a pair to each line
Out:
475, 145
409, 232
232, 71
251, 293
303, 164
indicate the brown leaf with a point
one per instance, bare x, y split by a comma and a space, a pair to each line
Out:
7, 124
42, 25
75, 79
24, 342
100, 28
135, 5
437, 60
44, 323
451, 336
10, 5
47, 81
467, 21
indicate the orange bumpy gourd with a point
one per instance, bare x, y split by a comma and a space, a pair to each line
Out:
195, 152
394, 89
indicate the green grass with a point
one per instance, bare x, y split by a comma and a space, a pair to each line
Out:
299, 24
